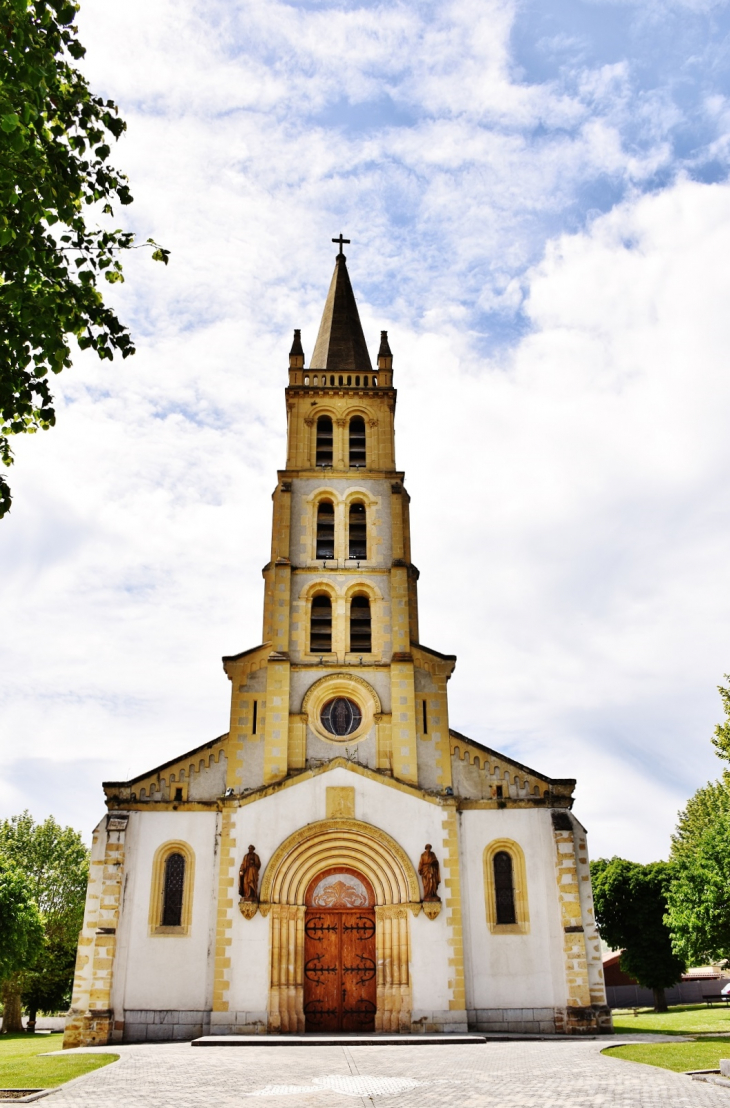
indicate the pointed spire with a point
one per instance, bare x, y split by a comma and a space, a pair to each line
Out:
340, 344
385, 355
296, 354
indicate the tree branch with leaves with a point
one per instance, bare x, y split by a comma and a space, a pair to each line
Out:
55, 140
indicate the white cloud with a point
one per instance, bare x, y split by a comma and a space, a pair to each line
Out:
578, 478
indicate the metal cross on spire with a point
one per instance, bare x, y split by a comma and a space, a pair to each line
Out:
340, 240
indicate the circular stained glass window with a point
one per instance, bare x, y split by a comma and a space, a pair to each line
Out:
341, 717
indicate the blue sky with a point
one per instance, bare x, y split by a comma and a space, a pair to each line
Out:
538, 201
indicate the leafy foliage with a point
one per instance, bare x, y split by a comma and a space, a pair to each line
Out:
698, 902
56, 865
631, 902
721, 741
21, 930
54, 147
709, 804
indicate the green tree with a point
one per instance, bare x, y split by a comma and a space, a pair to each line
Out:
54, 175
21, 936
698, 903
721, 741
55, 863
631, 902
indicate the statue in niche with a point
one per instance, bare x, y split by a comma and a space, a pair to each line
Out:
428, 871
248, 876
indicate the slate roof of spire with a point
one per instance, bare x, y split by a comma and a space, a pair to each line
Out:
340, 343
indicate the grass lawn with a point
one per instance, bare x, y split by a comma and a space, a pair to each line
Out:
21, 1068
702, 1054
685, 1019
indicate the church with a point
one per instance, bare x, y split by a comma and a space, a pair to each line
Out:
341, 859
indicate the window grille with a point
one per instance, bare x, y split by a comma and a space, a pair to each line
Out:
325, 529
360, 625
320, 638
357, 441
504, 889
341, 716
324, 441
173, 892
358, 539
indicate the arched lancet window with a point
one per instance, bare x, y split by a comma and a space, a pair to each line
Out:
504, 888
365, 381
358, 537
340, 379
306, 380
375, 382
360, 625
324, 441
320, 638
172, 899
349, 380
325, 529
357, 441
357, 381
332, 380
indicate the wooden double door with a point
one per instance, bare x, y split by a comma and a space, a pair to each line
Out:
340, 973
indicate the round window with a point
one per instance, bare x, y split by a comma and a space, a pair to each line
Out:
341, 716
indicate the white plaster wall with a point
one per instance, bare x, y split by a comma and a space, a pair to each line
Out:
512, 971
412, 822
166, 971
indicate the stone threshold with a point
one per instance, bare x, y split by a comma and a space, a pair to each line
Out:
339, 1039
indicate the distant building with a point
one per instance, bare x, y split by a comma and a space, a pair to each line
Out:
623, 991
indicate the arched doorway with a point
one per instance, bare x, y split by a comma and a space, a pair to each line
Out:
343, 846
340, 970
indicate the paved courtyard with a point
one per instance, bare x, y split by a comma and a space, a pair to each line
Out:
508, 1074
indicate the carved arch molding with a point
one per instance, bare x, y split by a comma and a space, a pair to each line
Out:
368, 850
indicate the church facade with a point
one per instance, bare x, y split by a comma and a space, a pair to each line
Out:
341, 859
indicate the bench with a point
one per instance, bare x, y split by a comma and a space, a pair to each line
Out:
710, 998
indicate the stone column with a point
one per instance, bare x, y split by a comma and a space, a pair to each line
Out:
286, 993
392, 944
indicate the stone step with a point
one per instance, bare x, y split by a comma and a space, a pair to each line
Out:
338, 1039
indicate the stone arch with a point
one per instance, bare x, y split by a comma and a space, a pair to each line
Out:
383, 862
334, 679
346, 842
320, 585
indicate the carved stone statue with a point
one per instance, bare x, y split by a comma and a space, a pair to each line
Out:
248, 876
428, 871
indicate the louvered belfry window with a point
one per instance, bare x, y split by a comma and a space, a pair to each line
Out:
358, 538
324, 441
504, 888
173, 893
360, 625
320, 638
357, 441
325, 530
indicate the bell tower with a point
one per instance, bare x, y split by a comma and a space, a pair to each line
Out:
345, 673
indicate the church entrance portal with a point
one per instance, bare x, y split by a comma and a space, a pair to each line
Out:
340, 984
